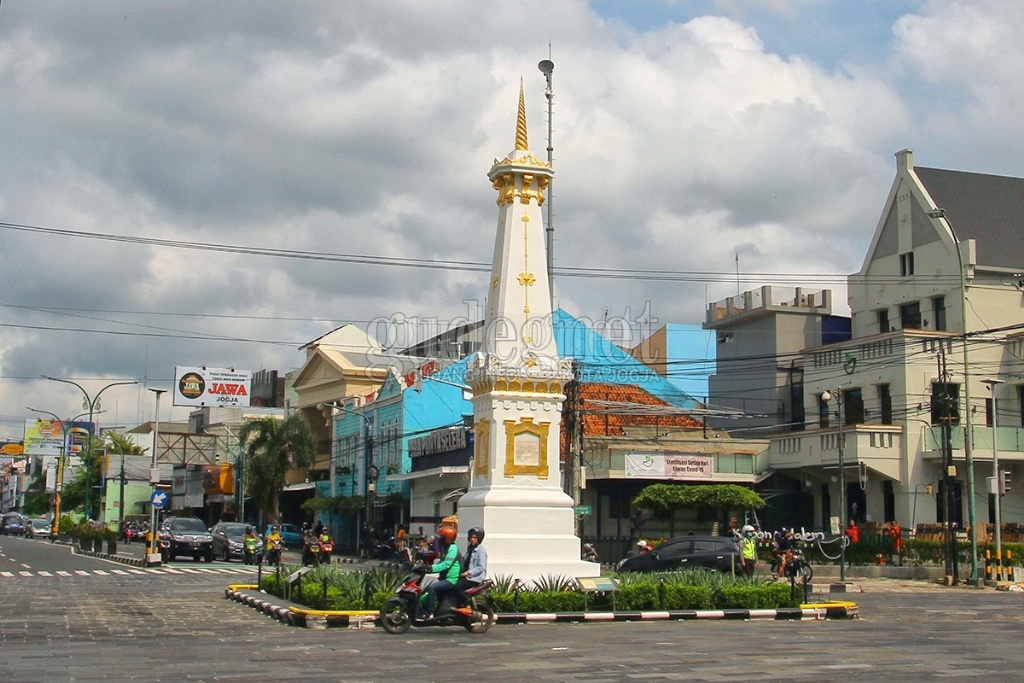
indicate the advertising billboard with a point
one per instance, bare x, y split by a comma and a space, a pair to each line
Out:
44, 437
679, 466
212, 387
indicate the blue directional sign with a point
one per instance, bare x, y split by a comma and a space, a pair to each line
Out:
158, 499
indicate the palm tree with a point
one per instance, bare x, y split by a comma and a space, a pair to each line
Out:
272, 446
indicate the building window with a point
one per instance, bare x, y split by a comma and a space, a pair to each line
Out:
885, 403
1020, 402
888, 501
907, 264
883, 320
910, 316
939, 312
853, 407
988, 412
822, 412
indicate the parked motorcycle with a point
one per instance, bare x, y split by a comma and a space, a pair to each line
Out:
386, 549
404, 610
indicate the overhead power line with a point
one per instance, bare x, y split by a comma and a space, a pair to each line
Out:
460, 265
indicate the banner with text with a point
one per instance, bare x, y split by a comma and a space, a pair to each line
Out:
212, 387
680, 466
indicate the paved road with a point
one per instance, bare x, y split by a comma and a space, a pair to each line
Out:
176, 627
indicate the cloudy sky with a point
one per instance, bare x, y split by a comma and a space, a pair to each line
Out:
218, 183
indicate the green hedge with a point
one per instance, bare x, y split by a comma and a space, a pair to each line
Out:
693, 590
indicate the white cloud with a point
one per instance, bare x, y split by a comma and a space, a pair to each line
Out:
369, 129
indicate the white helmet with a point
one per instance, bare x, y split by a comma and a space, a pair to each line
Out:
748, 529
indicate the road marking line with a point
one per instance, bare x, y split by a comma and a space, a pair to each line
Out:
119, 571
82, 572
25, 573
43, 572
7, 575
100, 572
63, 572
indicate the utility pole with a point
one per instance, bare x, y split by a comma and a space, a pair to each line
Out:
946, 417
154, 478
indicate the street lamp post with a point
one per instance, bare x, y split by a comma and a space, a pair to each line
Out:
120, 503
826, 397
996, 488
91, 403
59, 476
968, 436
154, 478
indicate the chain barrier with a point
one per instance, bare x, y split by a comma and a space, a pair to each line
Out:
844, 539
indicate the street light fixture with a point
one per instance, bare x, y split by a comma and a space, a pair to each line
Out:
826, 397
996, 488
91, 403
968, 436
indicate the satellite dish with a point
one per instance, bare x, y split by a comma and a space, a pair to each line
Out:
546, 66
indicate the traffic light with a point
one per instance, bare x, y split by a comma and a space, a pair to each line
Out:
1005, 481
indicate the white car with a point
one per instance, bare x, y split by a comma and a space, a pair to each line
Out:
39, 528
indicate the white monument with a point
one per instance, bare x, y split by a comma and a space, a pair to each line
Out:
517, 381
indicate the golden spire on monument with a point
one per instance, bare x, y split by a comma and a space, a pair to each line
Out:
521, 144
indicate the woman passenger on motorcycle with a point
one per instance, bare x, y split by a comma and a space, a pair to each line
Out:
448, 568
474, 567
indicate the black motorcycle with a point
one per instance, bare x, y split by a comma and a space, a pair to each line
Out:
797, 568
404, 610
311, 550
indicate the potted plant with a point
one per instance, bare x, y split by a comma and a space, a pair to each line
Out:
85, 536
110, 536
69, 530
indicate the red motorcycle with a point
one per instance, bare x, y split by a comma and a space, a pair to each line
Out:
403, 610
326, 548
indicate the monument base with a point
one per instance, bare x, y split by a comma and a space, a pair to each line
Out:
529, 532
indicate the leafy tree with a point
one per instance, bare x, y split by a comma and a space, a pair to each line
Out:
37, 500
678, 496
72, 496
722, 497
272, 446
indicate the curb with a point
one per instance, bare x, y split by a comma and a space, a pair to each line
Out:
812, 612
123, 559
282, 614
320, 619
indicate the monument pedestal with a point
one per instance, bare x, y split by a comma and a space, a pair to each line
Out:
529, 532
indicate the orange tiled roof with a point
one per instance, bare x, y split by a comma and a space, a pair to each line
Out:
605, 422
